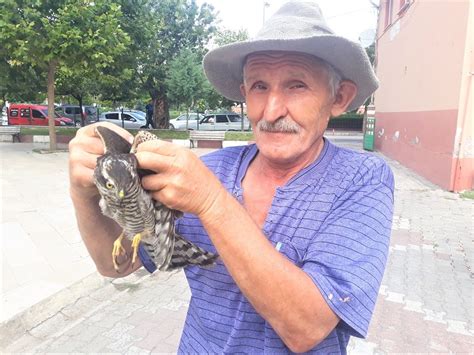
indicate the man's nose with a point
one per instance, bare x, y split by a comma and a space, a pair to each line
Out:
275, 107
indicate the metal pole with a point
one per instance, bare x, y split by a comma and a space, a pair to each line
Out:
265, 5
242, 113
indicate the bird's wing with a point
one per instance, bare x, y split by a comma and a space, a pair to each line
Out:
113, 142
142, 136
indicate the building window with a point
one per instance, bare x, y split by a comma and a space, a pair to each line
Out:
37, 114
404, 4
388, 12
25, 112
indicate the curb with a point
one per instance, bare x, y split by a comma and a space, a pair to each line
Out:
63, 308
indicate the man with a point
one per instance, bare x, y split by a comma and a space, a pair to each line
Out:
301, 226
149, 115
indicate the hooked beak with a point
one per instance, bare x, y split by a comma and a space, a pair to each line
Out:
121, 194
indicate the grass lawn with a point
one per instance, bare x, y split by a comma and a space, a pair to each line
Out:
161, 133
467, 194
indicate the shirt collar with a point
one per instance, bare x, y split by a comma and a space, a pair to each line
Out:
306, 176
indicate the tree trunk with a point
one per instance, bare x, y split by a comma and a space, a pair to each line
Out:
187, 118
52, 65
4, 101
161, 114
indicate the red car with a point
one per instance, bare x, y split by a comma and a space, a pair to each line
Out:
34, 115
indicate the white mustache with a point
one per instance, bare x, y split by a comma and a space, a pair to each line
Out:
282, 125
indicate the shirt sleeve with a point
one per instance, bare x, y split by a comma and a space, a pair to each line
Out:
348, 254
146, 260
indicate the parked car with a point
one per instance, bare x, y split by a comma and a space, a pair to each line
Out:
129, 119
223, 122
4, 119
74, 113
138, 112
180, 121
34, 115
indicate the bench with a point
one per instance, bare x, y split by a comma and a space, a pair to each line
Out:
13, 131
206, 139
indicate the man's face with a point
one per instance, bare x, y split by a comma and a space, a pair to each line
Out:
288, 104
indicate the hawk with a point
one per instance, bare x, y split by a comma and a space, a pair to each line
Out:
143, 219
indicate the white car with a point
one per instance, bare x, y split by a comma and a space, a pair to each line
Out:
127, 119
223, 122
180, 121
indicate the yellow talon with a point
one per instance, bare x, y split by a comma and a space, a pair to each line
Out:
135, 242
117, 250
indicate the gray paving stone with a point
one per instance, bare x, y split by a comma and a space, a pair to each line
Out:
107, 319
98, 343
66, 344
136, 350
49, 326
81, 306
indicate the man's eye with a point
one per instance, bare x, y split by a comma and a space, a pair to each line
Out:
109, 185
297, 86
258, 86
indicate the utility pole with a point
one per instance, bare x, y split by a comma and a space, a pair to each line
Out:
265, 5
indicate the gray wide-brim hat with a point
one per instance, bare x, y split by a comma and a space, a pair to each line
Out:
298, 26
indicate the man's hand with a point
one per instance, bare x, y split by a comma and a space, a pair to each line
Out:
84, 150
182, 181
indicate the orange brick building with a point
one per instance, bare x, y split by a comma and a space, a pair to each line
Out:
424, 106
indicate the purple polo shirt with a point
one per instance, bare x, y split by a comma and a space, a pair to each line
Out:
332, 219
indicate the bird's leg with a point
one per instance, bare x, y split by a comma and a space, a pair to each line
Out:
135, 242
117, 251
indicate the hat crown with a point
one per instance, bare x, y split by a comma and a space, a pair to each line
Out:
295, 19
298, 26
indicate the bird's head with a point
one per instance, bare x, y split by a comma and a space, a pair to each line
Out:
115, 175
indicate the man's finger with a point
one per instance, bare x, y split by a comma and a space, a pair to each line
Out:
90, 130
78, 157
159, 146
82, 176
152, 161
153, 183
92, 145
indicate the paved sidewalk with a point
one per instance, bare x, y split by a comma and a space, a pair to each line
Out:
42, 251
425, 304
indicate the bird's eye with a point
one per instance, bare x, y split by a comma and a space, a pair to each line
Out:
109, 185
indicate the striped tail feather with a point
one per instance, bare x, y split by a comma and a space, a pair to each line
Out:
186, 253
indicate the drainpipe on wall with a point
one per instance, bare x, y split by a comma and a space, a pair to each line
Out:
465, 99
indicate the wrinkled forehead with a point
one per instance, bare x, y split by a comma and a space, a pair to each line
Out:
298, 61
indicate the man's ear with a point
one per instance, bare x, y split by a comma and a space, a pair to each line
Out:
242, 90
345, 94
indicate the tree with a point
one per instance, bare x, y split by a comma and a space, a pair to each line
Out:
370, 50
121, 82
185, 78
77, 84
66, 34
172, 26
223, 37
19, 83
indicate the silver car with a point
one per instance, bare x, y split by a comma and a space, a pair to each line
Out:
127, 119
223, 122
180, 121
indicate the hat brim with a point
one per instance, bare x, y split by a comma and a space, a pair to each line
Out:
224, 65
